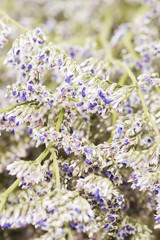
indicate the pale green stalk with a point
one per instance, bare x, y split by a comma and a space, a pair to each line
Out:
42, 156
123, 78
6, 109
60, 120
56, 168
104, 35
128, 44
133, 78
12, 21
2, 59
54, 156
112, 60
5, 195
70, 236
114, 118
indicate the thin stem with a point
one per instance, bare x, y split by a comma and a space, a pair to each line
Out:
54, 156
56, 169
2, 59
6, 109
157, 89
133, 78
60, 119
147, 113
105, 35
73, 99
70, 236
108, 52
114, 118
128, 44
12, 21
5, 195
125, 67
42, 156
104, 40
123, 78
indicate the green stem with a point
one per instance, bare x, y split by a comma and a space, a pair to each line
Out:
123, 79
108, 21
5, 195
70, 236
2, 59
60, 119
114, 118
42, 156
54, 156
128, 44
12, 21
73, 99
147, 113
104, 40
133, 78
157, 89
104, 36
127, 69
6, 109
56, 169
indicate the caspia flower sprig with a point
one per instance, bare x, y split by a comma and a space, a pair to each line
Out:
94, 122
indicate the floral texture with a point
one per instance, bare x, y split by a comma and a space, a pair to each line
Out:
80, 120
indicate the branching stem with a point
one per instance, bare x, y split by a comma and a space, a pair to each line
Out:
133, 78
42, 156
114, 61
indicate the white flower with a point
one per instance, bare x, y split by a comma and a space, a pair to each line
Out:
29, 171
